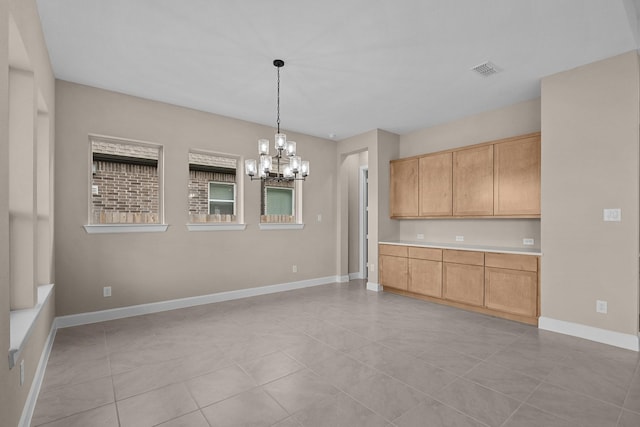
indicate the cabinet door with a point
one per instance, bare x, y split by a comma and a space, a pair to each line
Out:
393, 271
517, 177
463, 283
403, 197
473, 181
436, 185
425, 277
512, 291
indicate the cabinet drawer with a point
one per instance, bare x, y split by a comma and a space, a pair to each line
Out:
425, 253
511, 261
393, 250
463, 257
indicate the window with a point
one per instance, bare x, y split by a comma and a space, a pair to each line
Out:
125, 182
278, 204
279, 201
213, 192
222, 198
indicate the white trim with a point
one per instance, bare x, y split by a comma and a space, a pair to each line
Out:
617, 339
280, 226
342, 279
362, 236
34, 391
125, 228
21, 324
375, 287
357, 275
136, 310
219, 226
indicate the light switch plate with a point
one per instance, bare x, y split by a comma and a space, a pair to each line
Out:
528, 242
459, 238
612, 215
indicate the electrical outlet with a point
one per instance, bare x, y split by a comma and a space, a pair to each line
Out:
459, 238
601, 307
528, 242
319, 217
294, 268
106, 291
420, 236
22, 372
372, 267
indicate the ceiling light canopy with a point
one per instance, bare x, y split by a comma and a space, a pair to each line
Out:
285, 165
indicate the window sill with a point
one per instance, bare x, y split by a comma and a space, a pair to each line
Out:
281, 226
216, 227
21, 324
125, 228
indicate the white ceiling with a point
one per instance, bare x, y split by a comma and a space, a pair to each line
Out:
351, 65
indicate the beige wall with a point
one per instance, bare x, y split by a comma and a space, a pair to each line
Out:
590, 162
24, 14
150, 267
510, 121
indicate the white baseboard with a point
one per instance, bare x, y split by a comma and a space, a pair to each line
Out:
136, 310
375, 287
34, 391
358, 275
617, 339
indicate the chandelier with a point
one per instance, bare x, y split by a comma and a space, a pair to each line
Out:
285, 165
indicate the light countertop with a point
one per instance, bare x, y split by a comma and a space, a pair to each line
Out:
477, 248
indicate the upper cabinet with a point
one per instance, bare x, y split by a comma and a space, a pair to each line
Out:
404, 188
435, 184
517, 177
494, 179
473, 181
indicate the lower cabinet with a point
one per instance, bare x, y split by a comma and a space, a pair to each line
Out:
393, 266
504, 285
511, 284
425, 271
464, 283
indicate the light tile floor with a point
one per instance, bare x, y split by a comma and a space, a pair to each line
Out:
334, 355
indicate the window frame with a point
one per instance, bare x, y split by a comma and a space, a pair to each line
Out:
238, 224
93, 228
298, 223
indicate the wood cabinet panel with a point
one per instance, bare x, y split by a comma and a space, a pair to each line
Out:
511, 261
436, 184
393, 271
403, 191
512, 291
463, 283
394, 250
425, 277
463, 257
473, 181
432, 254
517, 177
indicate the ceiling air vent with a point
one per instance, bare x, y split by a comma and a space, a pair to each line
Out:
486, 69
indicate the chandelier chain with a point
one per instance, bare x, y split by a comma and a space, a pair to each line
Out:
278, 118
